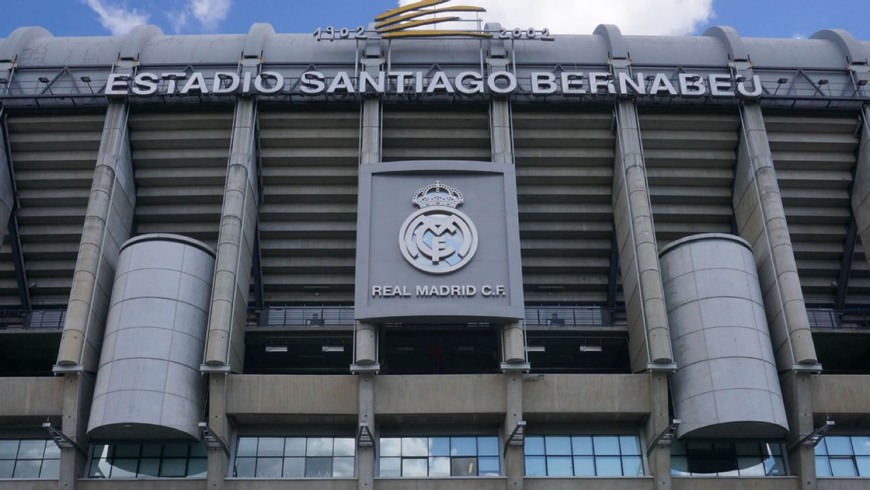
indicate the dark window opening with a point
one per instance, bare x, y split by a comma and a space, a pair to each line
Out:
298, 352
411, 349
578, 352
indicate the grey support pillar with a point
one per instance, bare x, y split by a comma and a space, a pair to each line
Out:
649, 342
761, 221
512, 334
649, 334
108, 223
225, 343
366, 361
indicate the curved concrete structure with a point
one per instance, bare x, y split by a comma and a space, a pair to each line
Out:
148, 384
726, 384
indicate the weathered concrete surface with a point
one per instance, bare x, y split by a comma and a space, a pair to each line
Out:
636, 240
472, 394
441, 484
31, 397
151, 484
624, 483
761, 221
727, 483
261, 484
841, 394
300, 395
597, 396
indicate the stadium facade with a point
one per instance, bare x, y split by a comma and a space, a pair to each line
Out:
510, 261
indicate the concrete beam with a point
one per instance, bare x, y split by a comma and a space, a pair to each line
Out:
761, 221
650, 341
108, 224
232, 280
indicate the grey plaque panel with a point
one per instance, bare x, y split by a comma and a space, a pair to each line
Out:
457, 262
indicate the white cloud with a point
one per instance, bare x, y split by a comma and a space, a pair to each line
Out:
662, 17
117, 19
209, 13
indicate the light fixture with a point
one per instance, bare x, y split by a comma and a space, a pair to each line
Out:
61, 440
815, 437
404, 348
590, 348
85, 79
43, 79
666, 438
465, 348
536, 348
332, 348
212, 440
781, 80
861, 83
517, 437
823, 81
364, 437
276, 348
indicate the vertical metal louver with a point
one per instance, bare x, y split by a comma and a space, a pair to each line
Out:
54, 159
564, 184
436, 135
308, 214
690, 161
180, 162
814, 157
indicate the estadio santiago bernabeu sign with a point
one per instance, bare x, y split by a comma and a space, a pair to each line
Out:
438, 241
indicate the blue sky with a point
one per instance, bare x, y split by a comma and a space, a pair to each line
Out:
751, 18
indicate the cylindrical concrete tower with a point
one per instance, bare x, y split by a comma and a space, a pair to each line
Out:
148, 383
726, 384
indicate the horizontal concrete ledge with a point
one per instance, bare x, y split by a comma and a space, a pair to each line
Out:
627, 483
586, 397
266, 398
481, 483
474, 395
261, 484
28, 484
31, 397
150, 484
730, 483
840, 394
841, 484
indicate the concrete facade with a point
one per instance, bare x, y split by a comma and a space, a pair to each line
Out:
762, 141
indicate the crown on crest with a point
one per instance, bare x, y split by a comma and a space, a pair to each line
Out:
437, 194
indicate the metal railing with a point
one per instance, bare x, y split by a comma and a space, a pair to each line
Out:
826, 318
569, 316
32, 319
304, 316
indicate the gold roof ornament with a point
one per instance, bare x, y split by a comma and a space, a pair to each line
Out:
399, 22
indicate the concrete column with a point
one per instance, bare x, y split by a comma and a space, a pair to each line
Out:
659, 457
7, 196
370, 153
514, 458
649, 340
366, 460
798, 395
861, 187
225, 344
761, 221
500, 131
366, 342
78, 388
108, 223
218, 462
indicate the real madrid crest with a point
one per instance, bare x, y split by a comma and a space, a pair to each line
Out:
438, 238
